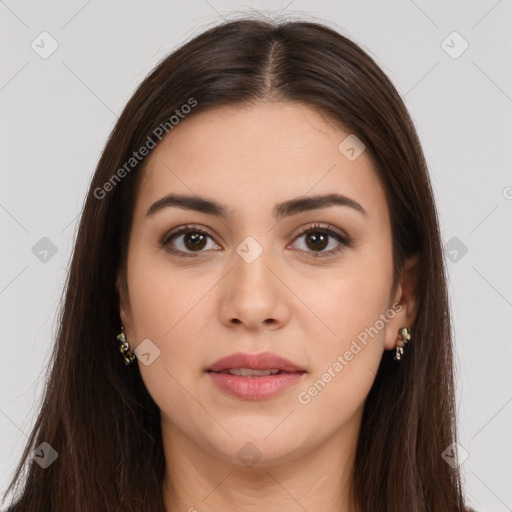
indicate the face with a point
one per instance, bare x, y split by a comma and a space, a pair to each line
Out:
308, 281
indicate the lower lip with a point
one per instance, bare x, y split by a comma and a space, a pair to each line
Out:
255, 388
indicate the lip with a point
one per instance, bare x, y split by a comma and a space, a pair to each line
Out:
255, 388
261, 361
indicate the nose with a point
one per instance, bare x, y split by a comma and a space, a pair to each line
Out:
254, 295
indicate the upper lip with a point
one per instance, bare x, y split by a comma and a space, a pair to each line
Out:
261, 361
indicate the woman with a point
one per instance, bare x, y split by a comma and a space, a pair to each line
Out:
261, 245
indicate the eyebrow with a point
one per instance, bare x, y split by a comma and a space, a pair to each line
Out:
281, 210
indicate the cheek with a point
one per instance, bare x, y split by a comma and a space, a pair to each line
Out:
350, 340
163, 297
168, 307
348, 303
345, 361
165, 311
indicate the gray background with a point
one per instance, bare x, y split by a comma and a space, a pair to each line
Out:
57, 112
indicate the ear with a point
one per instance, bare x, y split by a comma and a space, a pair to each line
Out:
124, 304
407, 296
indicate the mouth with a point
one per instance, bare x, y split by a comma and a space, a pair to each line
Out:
250, 372
254, 365
255, 376
261, 386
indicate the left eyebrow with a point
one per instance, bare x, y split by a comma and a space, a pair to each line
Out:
281, 210
303, 204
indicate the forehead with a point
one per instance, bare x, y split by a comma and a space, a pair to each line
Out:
246, 156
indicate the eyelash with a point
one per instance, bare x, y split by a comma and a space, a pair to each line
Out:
344, 240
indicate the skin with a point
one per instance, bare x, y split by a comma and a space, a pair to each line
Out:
307, 309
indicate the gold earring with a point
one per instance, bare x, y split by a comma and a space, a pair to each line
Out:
405, 334
124, 347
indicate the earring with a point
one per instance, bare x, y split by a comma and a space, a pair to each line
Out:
124, 347
405, 333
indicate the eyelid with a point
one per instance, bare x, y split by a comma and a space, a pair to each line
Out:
320, 226
181, 230
185, 228
343, 239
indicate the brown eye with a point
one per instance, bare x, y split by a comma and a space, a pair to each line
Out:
194, 241
317, 238
188, 240
317, 241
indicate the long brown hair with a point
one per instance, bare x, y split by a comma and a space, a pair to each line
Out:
97, 414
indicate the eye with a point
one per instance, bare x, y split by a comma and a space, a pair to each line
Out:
318, 237
187, 240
